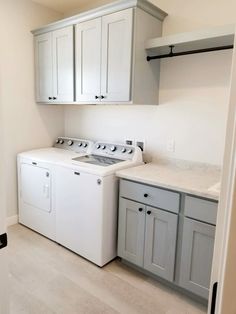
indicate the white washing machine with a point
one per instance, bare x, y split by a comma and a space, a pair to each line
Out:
87, 200
36, 182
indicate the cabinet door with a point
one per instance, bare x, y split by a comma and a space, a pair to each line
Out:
43, 67
88, 60
63, 65
160, 242
131, 231
117, 40
196, 258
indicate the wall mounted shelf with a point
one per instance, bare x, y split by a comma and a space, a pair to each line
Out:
212, 39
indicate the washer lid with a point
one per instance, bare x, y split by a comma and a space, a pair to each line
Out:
98, 160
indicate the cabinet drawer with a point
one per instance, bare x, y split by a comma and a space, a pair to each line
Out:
200, 209
150, 195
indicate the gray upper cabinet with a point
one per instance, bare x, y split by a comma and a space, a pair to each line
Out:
196, 258
160, 242
116, 66
110, 56
103, 58
131, 231
88, 60
43, 67
54, 66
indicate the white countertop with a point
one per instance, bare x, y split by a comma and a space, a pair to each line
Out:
192, 178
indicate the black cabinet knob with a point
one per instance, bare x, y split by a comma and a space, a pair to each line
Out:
145, 195
50, 98
96, 97
149, 212
140, 209
54, 98
102, 97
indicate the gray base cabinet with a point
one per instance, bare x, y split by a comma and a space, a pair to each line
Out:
160, 242
167, 233
131, 231
196, 258
147, 235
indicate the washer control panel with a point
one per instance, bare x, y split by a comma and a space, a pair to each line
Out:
74, 144
119, 151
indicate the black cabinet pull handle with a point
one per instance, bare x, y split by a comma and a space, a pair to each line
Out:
50, 98
140, 209
149, 212
77, 173
145, 195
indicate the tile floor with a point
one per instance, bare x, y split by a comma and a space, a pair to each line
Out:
46, 278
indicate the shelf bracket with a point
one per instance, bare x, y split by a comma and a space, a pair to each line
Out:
172, 54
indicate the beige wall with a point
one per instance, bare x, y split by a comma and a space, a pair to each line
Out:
26, 125
193, 95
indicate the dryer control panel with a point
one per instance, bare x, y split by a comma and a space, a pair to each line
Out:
74, 144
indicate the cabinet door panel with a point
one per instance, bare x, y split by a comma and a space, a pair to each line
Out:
63, 64
43, 67
116, 55
196, 259
88, 60
131, 231
160, 243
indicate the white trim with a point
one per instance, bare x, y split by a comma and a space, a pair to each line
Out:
12, 220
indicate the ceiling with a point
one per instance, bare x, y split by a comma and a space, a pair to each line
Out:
71, 6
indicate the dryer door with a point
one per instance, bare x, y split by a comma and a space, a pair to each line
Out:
36, 187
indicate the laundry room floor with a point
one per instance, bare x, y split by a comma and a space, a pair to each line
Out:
47, 278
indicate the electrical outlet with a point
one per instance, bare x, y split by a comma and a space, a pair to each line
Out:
140, 144
170, 146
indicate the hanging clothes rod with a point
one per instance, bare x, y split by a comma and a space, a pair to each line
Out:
184, 53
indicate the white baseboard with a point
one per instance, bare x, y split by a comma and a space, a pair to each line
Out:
13, 220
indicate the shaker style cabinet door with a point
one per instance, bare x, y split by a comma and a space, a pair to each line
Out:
63, 65
131, 231
54, 63
43, 67
160, 242
196, 259
88, 60
117, 41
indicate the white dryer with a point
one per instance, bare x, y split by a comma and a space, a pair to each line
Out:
87, 200
36, 182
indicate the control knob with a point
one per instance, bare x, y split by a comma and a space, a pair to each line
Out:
113, 148
123, 150
57, 141
70, 143
98, 146
80, 144
61, 141
85, 145
130, 151
103, 147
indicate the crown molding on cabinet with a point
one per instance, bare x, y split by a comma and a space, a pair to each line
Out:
101, 11
215, 38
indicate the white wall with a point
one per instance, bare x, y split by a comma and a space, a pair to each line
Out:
26, 125
193, 95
